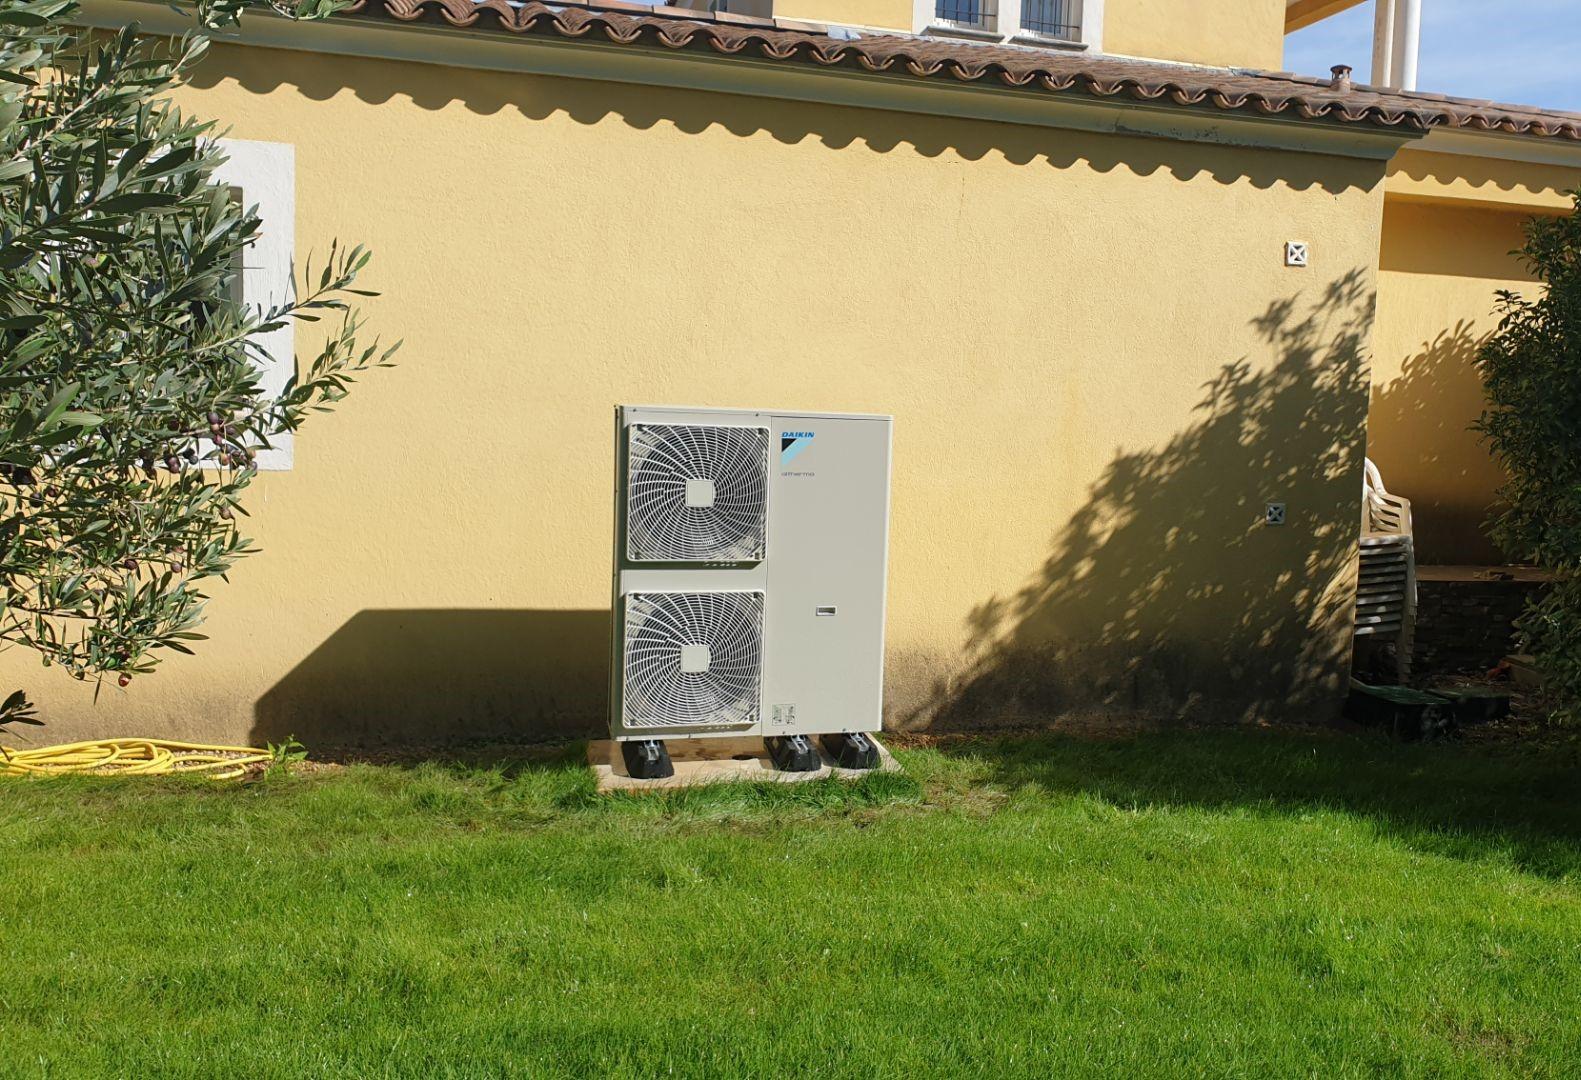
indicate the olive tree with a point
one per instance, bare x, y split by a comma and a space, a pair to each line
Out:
131, 403
1531, 368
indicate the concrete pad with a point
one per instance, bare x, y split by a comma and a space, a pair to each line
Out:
715, 761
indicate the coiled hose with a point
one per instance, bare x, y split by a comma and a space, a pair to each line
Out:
133, 757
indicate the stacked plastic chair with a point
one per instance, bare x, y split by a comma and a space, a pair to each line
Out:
1386, 586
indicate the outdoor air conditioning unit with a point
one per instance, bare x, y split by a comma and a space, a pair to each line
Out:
750, 557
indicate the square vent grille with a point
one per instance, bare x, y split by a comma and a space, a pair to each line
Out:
696, 493
692, 659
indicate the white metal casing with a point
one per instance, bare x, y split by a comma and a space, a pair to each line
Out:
822, 574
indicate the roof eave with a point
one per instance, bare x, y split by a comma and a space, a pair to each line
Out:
695, 69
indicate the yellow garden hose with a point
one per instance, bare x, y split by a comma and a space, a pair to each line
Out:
133, 757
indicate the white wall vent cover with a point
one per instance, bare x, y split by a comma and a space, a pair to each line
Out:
696, 493
692, 659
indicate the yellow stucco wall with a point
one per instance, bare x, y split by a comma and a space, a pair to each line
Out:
1226, 33
1440, 268
1486, 182
1100, 372
1450, 224
890, 14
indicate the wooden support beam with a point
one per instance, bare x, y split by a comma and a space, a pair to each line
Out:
1300, 13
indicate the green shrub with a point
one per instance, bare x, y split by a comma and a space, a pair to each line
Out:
1531, 369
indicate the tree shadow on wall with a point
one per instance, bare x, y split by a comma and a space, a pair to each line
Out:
1419, 434
1166, 595
427, 678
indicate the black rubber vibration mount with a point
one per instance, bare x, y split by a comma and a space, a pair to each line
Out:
793, 753
647, 760
852, 751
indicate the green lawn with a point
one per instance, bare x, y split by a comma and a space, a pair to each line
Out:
1224, 903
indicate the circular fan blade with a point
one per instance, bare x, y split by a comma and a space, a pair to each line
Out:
692, 659
696, 493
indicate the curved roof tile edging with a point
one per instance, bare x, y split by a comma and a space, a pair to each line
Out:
1228, 90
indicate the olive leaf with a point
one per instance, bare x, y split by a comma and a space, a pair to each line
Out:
131, 407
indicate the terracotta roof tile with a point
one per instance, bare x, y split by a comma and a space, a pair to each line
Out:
1033, 69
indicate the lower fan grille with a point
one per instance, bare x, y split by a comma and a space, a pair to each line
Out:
692, 659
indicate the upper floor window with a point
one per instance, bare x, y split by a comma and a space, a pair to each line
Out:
1044, 22
967, 14
1052, 18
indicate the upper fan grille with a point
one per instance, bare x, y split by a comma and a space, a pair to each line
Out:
663, 689
696, 493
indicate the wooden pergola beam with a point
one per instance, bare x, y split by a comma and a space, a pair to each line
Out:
1299, 13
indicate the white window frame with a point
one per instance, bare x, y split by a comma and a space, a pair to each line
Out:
264, 174
1008, 28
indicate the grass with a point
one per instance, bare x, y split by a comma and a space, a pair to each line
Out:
1225, 903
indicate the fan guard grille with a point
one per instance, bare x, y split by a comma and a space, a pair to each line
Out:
658, 693
662, 525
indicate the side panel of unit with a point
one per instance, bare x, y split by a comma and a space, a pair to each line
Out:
827, 566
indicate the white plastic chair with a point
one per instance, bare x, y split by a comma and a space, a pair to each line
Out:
1386, 576
1382, 513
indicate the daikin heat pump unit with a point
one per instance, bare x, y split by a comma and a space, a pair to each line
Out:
750, 556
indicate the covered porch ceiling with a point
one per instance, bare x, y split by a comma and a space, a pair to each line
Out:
1300, 13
